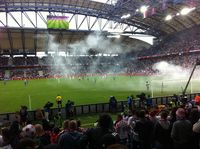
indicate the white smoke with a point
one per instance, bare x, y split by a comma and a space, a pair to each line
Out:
95, 44
170, 71
95, 41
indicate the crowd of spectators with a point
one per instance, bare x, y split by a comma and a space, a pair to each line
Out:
151, 127
176, 49
111, 65
184, 41
4, 61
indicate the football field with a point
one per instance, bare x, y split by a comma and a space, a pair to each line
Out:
86, 90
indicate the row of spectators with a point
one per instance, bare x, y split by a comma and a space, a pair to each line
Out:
177, 128
57, 60
18, 61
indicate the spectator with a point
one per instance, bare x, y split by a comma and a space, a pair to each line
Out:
196, 130
54, 135
123, 129
47, 110
6, 136
130, 102
112, 104
24, 115
181, 131
79, 128
144, 129
71, 138
42, 138
149, 101
26, 143
94, 138
162, 130
41, 120
28, 131
69, 109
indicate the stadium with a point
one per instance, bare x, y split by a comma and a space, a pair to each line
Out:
82, 54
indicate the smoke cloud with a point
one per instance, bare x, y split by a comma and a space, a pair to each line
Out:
94, 44
170, 71
171, 78
98, 42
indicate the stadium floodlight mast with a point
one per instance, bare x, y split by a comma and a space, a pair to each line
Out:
195, 65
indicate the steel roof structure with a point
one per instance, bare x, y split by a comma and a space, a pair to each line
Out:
85, 15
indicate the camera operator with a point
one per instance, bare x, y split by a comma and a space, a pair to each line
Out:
69, 109
47, 109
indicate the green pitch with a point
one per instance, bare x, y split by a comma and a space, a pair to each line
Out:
89, 90
58, 24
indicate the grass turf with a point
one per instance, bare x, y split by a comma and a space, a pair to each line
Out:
96, 89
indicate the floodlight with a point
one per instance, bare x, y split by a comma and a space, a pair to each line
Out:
186, 10
143, 9
168, 17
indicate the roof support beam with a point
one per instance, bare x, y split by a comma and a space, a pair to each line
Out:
82, 22
94, 23
26, 15
15, 20
107, 21
35, 41
74, 9
9, 36
10, 40
42, 17
23, 40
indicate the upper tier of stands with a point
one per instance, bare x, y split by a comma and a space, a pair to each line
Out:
184, 41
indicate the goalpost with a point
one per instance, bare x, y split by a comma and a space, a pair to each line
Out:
176, 86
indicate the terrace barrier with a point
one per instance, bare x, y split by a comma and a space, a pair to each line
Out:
90, 108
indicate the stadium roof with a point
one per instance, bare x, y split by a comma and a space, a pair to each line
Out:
24, 19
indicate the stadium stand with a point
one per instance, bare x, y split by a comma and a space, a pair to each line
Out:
174, 123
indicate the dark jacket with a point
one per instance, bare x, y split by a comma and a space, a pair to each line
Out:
182, 133
98, 138
162, 130
144, 129
69, 140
